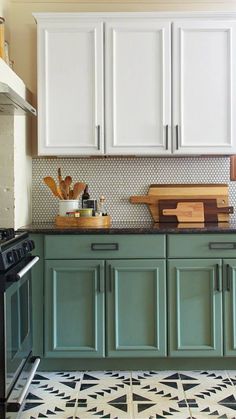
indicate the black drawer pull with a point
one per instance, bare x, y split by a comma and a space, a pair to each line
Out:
104, 246
222, 245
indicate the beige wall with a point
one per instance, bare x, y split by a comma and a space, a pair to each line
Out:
23, 27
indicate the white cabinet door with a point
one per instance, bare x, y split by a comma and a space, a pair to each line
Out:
204, 87
70, 87
138, 86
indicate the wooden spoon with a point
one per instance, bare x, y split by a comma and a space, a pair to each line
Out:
63, 189
78, 188
68, 181
59, 175
50, 182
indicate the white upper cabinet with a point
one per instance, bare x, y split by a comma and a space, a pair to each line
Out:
70, 87
137, 85
204, 87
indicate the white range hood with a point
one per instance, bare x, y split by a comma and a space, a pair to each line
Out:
13, 104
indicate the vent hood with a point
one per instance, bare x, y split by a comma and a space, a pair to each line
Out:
13, 104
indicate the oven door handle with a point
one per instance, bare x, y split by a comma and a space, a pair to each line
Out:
16, 405
29, 265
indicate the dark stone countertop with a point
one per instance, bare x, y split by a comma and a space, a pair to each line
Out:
133, 227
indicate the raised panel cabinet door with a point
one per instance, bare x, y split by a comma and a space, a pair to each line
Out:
138, 86
70, 87
204, 86
74, 308
229, 307
136, 308
195, 308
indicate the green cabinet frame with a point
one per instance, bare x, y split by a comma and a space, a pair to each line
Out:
74, 308
195, 308
136, 308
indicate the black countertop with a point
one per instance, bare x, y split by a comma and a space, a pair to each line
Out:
133, 227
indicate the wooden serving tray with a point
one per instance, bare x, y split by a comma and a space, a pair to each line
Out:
84, 222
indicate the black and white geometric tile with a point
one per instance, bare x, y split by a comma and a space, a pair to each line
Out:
131, 395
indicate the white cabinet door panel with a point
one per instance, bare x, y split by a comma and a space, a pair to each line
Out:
138, 88
204, 87
70, 88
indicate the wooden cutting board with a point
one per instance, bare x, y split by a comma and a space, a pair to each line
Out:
197, 192
191, 210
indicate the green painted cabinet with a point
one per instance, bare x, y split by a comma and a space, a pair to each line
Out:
230, 307
74, 308
100, 301
195, 307
136, 308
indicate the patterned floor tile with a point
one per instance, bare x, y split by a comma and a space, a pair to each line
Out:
158, 392
50, 410
210, 416
203, 374
209, 390
107, 410
131, 395
155, 375
106, 375
58, 375
151, 410
222, 411
105, 392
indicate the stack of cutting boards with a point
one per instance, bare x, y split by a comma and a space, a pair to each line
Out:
187, 203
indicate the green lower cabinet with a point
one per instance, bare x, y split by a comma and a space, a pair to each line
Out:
229, 307
136, 308
195, 307
74, 308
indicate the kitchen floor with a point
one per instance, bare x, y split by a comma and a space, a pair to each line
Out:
136, 394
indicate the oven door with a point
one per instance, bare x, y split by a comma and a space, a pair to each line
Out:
18, 321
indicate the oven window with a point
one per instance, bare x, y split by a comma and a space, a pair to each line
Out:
24, 311
14, 329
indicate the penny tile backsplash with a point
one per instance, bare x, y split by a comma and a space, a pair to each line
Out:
119, 178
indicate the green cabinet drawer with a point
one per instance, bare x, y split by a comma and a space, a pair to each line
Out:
201, 246
103, 247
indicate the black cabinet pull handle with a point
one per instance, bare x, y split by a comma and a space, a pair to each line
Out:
177, 136
167, 137
99, 136
228, 277
110, 278
104, 246
222, 245
218, 283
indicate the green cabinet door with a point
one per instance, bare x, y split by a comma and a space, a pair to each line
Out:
195, 307
229, 307
74, 308
136, 308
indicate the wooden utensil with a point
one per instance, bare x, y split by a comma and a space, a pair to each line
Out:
59, 175
68, 181
78, 188
198, 192
63, 189
59, 192
50, 182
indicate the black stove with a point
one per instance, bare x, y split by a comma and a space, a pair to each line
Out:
17, 363
13, 247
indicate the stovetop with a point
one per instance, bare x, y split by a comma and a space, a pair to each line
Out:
14, 246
